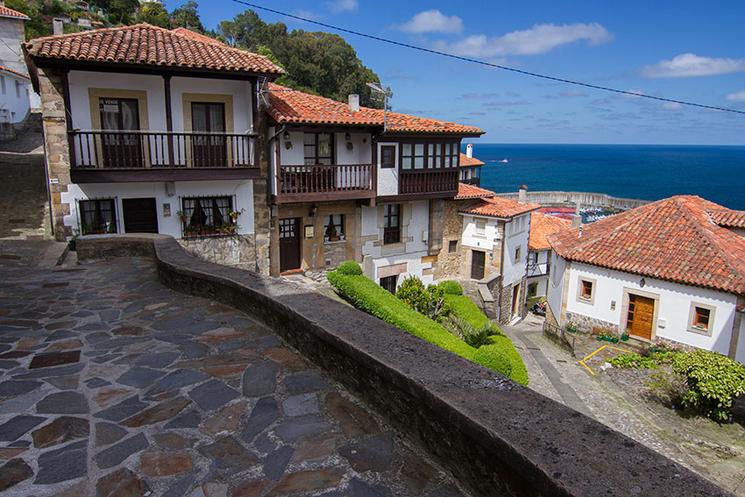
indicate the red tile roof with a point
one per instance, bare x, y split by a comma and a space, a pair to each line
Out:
466, 192
729, 218
196, 36
6, 12
14, 72
469, 161
149, 45
674, 239
499, 207
293, 106
542, 225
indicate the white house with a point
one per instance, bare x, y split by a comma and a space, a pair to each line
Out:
539, 251
672, 270
15, 86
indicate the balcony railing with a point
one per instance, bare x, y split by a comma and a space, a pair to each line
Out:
428, 181
537, 269
160, 149
320, 181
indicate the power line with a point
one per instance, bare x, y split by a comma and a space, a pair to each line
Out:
489, 64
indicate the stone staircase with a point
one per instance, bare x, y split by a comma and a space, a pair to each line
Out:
23, 197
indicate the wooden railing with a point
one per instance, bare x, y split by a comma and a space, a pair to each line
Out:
322, 178
428, 181
160, 149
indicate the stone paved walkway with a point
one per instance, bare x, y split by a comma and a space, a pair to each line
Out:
113, 385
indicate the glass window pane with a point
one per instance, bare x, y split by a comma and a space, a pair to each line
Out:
406, 162
407, 149
419, 149
418, 162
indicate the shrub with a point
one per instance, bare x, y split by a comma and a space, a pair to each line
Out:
714, 381
428, 301
495, 358
349, 268
519, 371
464, 308
652, 359
667, 388
475, 337
451, 287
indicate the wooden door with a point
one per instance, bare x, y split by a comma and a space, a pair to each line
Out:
640, 317
289, 244
140, 215
478, 263
120, 149
208, 150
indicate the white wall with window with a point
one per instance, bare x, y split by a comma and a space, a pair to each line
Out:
14, 97
537, 271
694, 316
517, 232
205, 205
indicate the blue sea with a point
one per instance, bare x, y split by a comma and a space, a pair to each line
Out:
649, 172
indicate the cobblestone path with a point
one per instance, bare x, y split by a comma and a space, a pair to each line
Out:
113, 385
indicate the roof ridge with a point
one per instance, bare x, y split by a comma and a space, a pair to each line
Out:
89, 32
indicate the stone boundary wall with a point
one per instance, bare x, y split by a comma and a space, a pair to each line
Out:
586, 199
498, 438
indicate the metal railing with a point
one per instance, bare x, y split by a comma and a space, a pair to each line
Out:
537, 269
104, 149
559, 335
323, 178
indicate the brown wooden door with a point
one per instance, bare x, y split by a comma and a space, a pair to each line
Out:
640, 318
478, 262
120, 149
208, 150
289, 244
140, 215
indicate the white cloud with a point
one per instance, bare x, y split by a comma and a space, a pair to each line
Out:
738, 96
343, 5
689, 65
432, 21
539, 39
671, 105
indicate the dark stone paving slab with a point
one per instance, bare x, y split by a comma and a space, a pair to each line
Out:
136, 389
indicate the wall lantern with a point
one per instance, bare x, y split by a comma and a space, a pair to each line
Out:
313, 211
288, 142
348, 137
642, 282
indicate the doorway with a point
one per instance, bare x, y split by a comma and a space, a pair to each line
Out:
289, 244
208, 151
478, 263
515, 300
140, 215
640, 316
120, 149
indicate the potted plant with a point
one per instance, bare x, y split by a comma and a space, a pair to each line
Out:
182, 216
331, 233
234, 215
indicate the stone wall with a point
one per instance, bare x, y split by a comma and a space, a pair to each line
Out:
451, 264
523, 444
237, 250
586, 199
586, 323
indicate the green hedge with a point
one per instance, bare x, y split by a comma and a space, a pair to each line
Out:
494, 357
451, 287
464, 308
368, 296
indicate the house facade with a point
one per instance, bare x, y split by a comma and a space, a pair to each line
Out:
539, 251
470, 167
14, 81
683, 282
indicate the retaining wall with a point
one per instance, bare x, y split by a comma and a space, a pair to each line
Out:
586, 199
498, 438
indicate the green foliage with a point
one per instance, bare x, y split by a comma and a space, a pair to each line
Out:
475, 337
316, 62
451, 287
651, 359
186, 16
464, 308
349, 268
118, 11
154, 13
714, 381
428, 301
519, 371
494, 357
667, 388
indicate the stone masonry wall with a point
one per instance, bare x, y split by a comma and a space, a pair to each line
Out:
587, 323
451, 264
238, 250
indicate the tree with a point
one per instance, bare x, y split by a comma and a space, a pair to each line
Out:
320, 63
119, 11
154, 13
36, 26
187, 16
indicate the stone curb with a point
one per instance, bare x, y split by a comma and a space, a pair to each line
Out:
497, 437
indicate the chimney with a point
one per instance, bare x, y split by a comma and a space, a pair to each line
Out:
577, 219
57, 26
469, 150
522, 194
354, 102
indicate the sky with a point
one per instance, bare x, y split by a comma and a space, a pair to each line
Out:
686, 50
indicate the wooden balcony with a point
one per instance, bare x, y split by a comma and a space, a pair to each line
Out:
321, 182
429, 182
124, 156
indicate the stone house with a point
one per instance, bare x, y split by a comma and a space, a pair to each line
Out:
669, 271
539, 251
197, 142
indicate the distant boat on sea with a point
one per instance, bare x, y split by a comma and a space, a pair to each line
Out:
504, 161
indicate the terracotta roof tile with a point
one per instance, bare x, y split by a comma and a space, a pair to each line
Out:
293, 106
466, 192
14, 72
196, 36
674, 239
499, 207
6, 12
149, 45
542, 225
728, 218
469, 161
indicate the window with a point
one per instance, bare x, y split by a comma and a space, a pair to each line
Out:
318, 148
203, 216
19, 85
586, 289
387, 156
2, 84
532, 290
97, 217
481, 227
333, 230
389, 283
701, 318
434, 156
518, 254
452, 246
391, 223
419, 156
429, 155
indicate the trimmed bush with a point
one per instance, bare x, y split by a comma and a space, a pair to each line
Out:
349, 268
519, 371
451, 287
428, 301
714, 381
494, 357
464, 308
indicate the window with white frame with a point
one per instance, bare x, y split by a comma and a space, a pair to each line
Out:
204, 216
97, 216
586, 290
480, 227
701, 318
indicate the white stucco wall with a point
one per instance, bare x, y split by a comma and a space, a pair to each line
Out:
673, 307
11, 34
387, 178
14, 97
241, 191
470, 238
541, 280
416, 219
554, 293
516, 235
741, 342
